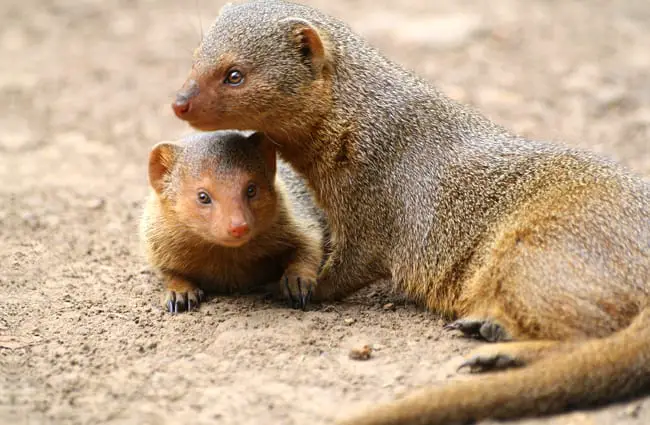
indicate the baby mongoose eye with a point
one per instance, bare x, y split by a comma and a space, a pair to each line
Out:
251, 190
234, 78
204, 198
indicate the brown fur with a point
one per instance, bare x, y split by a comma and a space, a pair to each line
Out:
188, 243
516, 239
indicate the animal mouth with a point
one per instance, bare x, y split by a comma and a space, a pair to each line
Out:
234, 242
202, 125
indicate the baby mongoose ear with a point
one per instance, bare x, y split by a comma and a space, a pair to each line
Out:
266, 146
312, 43
161, 160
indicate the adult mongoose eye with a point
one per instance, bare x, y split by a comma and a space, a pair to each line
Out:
234, 78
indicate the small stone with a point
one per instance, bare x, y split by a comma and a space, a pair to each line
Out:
389, 306
633, 410
363, 353
95, 204
349, 321
30, 219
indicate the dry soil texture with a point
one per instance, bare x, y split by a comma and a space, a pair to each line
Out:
85, 88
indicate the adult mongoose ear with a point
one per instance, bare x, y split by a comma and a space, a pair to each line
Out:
267, 147
161, 160
311, 43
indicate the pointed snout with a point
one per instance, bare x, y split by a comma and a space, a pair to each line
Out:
182, 105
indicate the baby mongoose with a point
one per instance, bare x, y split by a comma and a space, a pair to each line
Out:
219, 219
514, 240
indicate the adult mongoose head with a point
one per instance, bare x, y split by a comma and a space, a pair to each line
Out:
255, 57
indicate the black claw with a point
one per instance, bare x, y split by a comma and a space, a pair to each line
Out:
299, 299
179, 306
497, 362
464, 365
305, 299
289, 296
201, 295
190, 305
467, 327
473, 364
482, 329
170, 306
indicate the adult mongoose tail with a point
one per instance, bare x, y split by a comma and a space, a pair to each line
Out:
595, 372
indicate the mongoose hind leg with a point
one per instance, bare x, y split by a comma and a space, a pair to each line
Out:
182, 295
508, 355
486, 329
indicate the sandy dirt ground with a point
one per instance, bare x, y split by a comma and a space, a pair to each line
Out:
85, 90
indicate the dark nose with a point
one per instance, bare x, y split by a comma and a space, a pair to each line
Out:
183, 102
237, 230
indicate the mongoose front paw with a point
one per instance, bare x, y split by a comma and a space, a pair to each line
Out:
181, 295
484, 329
297, 290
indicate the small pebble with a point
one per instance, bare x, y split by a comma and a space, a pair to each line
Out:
95, 204
389, 306
30, 219
632, 411
349, 321
362, 353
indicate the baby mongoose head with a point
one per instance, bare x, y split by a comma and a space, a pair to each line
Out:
218, 185
260, 66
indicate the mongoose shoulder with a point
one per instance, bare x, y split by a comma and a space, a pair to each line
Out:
223, 216
515, 239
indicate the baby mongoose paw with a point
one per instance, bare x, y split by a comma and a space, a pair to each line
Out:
178, 301
297, 289
484, 329
491, 362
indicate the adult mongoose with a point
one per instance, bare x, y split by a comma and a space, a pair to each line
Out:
220, 218
517, 240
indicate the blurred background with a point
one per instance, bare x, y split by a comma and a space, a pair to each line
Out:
86, 87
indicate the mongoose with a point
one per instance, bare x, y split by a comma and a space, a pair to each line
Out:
542, 246
219, 218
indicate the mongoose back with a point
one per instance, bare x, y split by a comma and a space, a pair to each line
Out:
219, 218
537, 244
